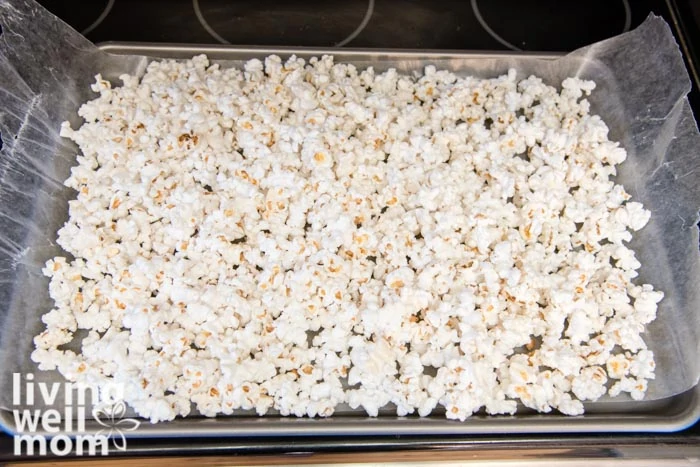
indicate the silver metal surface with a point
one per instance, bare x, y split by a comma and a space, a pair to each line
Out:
593, 450
225, 52
673, 414
667, 415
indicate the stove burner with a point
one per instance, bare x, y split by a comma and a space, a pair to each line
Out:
537, 25
98, 21
311, 15
83, 16
363, 24
505, 43
205, 24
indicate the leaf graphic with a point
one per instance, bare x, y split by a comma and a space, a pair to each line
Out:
105, 432
119, 441
102, 418
110, 417
128, 424
118, 410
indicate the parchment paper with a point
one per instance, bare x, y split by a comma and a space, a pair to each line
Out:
46, 69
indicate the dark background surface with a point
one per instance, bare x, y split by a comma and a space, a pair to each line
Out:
544, 25
530, 25
443, 24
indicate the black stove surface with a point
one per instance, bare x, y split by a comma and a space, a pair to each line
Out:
545, 25
527, 25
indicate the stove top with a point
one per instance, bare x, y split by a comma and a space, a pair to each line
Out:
545, 25
527, 25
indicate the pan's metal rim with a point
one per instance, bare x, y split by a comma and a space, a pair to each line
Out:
681, 411
157, 49
406, 426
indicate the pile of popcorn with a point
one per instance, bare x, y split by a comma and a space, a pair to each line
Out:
298, 236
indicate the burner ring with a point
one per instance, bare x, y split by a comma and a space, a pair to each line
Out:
502, 41
358, 30
98, 21
361, 27
205, 24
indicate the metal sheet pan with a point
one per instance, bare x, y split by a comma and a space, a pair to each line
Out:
664, 415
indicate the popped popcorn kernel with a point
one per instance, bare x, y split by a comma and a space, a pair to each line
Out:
297, 235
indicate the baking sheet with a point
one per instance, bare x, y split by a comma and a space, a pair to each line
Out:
46, 69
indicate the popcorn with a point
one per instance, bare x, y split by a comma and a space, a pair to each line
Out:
618, 366
298, 235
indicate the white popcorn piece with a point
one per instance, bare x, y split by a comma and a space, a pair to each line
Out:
635, 387
590, 383
297, 235
618, 366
